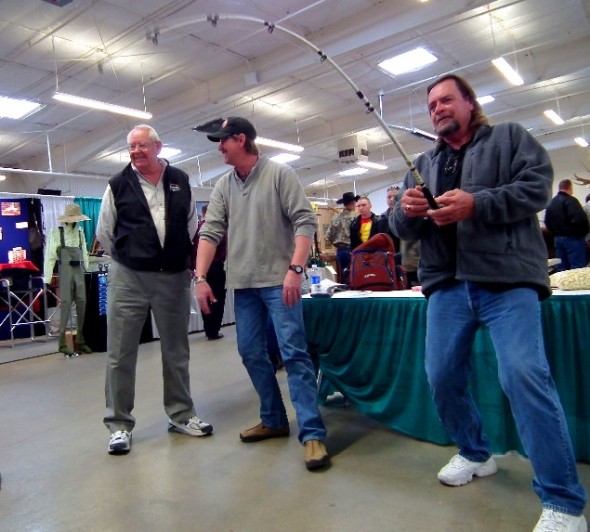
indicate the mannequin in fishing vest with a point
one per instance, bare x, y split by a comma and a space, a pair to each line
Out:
67, 247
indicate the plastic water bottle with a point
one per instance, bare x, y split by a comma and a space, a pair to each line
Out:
314, 279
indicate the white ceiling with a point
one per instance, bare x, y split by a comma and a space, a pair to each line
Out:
165, 56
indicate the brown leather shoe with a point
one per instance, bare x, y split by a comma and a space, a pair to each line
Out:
260, 432
316, 455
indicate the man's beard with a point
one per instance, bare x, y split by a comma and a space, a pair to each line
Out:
448, 129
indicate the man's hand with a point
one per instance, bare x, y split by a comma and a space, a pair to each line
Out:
455, 205
292, 288
413, 203
204, 296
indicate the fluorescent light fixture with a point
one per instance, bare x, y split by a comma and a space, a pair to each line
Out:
408, 62
509, 73
353, 171
581, 141
17, 109
167, 153
371, 166
554, 117
278, 144
285, 157
3, 177
101, 106
485, 99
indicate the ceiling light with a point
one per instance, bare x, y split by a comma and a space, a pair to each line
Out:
278, 144
485, 99
17, 109
371, 166
408, 62
285, 157
509, 73
3, 177
101, 106
581, 141
167, 152
554, 117
353, 171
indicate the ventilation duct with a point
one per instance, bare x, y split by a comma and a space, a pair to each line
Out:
353, 149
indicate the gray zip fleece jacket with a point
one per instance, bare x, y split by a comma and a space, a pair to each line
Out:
509, 175
262, 215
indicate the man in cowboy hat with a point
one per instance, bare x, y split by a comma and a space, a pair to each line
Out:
66, 245
339, 233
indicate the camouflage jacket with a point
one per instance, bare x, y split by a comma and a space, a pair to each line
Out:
339, 231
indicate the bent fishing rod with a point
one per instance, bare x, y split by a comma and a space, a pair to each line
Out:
370, 109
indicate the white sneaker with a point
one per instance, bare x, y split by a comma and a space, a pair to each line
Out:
460, 471
193, 427
554, 521
120, 442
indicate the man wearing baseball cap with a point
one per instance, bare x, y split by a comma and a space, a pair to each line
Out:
270, 226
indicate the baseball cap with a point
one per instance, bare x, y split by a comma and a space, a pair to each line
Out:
222, 128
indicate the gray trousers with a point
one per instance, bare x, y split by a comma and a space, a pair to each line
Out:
130, 295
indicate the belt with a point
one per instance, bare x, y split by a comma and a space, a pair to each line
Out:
342, 247
73, 262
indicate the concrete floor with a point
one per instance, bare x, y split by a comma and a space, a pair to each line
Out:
57, 475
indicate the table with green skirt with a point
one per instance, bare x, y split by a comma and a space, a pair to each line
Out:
371, 349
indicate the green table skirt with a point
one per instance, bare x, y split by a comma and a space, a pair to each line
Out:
372, 350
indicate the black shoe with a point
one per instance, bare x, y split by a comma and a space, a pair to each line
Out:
216, 337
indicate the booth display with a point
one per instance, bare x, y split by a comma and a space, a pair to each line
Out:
23, 303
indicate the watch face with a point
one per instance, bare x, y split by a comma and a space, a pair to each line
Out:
296, 268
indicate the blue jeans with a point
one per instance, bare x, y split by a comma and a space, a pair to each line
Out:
571, 251
514, 320
343, 260
252, 307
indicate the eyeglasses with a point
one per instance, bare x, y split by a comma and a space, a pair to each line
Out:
452, 164
141, 146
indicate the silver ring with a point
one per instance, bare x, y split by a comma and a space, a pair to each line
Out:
408, 207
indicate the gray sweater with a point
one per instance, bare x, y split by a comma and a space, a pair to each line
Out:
509, 174
262, 215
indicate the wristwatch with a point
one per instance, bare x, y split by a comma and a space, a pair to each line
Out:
296, 268
200, 279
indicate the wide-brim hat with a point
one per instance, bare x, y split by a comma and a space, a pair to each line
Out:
72, 213
222, 128
348, 197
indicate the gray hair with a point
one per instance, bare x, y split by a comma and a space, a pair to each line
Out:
153, 134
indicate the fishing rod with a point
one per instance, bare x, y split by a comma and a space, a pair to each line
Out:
415, 131
370, 109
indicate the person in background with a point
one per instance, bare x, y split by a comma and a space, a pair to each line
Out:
384, 218
365, 225
566, 220
338, 233
66, 245
147, 221
587, 211
410, 259
216, 279
270, 225
483, 263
